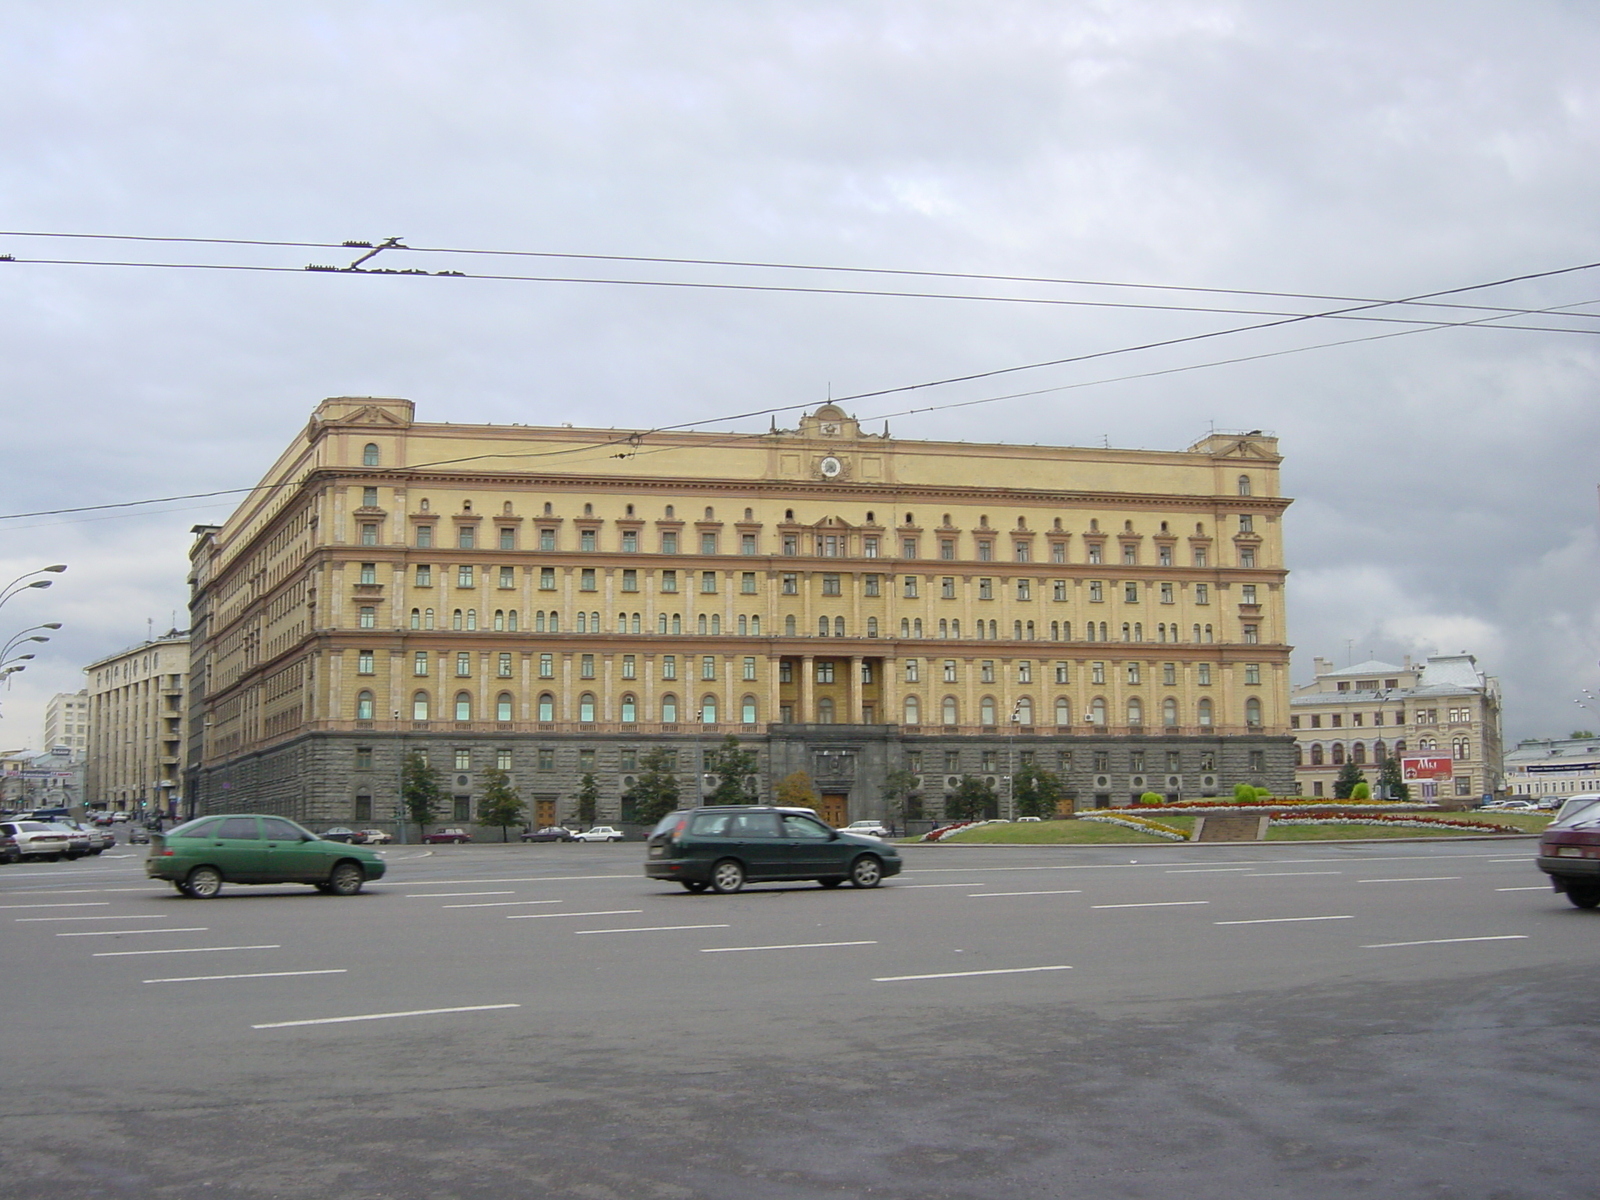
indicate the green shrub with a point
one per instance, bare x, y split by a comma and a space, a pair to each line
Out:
1243, 791
1361, 791
1151, 798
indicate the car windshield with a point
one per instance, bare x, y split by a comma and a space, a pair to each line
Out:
192, 828
668, 823
1579, 812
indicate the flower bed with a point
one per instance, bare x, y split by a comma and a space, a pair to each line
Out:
934, 835
1142, 824
1408, 821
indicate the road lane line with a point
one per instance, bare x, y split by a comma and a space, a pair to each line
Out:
64, 904
1278, 874
251, 975
785, 946
503, 904
902, 887
1499, 937
1282, 920
416, 1012
650, 929
120, 932
1537, 887
1153, 904
1410, 879
101, 917
610, 912
966, 974
183, 950
514, 879
1055, 892
452, 895
1525, 858
1203, 870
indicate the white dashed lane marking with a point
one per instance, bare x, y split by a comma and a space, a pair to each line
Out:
967, 974
385, 1016
251, 975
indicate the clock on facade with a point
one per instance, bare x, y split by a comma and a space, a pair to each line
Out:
831, 467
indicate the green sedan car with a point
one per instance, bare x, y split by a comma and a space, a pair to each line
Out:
197, 858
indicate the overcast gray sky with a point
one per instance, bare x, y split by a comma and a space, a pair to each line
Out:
1444, 479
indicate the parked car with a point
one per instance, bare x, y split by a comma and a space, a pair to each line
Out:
725, 847
550, 833
100, 840
439, 836
79, 841
198, 857
875, 829
138, 835
340, 833
34, 840
373, 837
1569, 851
600, 833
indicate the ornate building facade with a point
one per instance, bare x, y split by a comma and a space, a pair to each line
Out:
557, 601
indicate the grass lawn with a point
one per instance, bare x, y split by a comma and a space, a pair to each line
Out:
1092, 833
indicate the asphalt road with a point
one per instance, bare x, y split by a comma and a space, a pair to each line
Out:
1318, 1021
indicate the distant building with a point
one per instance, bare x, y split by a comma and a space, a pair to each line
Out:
136, 726
66, 723
1365, 713
1553, 767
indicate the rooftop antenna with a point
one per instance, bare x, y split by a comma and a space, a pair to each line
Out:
1349, 651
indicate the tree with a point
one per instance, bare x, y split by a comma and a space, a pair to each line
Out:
1391, 784
1345, 781
796, 790
500, 804
735, 770
901, 796
973, 800
419, 790
1579, 735
655, 792
588, 798
1037, 792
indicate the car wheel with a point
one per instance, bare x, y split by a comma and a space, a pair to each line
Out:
1584, 895
830, 883
727, 876
180, 887
52, 858
692, 885
866, 872
203, 883
346, 879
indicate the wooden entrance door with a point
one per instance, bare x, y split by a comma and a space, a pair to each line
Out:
835, 809
544, 813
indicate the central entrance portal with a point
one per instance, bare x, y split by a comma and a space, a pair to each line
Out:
835, 809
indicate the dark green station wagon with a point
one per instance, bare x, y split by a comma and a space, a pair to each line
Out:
199, 856
725, 847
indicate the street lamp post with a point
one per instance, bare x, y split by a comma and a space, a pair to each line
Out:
400, 779
17, 584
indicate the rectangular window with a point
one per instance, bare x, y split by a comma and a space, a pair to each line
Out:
424, 575
1338, 720
708, 667
669, 666
463, 760
508, 538
547, 539
1169, 674
466, 536
630, 541
947, 549
708, 543
586, 666
369, 497
586, 761
629, 756
369, 573
985, 550
952, 761
1096, 554
464, 576
1133, 672
1022, 551
419, 663
1252, 634
950, 670
1208, 760
1102, 760
1294, 722
1058, 552
588, 539
630, 579
669, 542
502, 759
747, 583
586, 580
985, 671
630, 666
785, 671
791, 585
547, 666
1058, 589
1166, 593
1252, 674
830, 585
1164, 556
1024, 589
669, 581
363, 758
1247, 557
1203, 674
1202, 593
908, 547
869, 547
910, 583
1130, 554
1097, 592
708, 582
1247, 523
1024, 671
1258, 760
1097, 674
749, 669
367, 617
424, 536
1061, 673
947, 588
1247, 593
791, 544
913, 670
547, 760
870, 586
1200, 556
364, 663
503, 665
1130, 593
989, 760
1136, 760
824, 670
369, 533
747, 543
547, 579
508, 577
914, 761
463, 664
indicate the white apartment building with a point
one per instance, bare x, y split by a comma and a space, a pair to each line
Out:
136, 726
66, 723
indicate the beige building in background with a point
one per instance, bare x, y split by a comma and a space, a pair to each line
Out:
66, 723
557, 601
136, 727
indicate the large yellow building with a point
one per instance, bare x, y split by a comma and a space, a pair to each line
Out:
558, 600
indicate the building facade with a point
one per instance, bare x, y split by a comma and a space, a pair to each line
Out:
1364, 713
1553, 767
557, 601
66, 723
136, 723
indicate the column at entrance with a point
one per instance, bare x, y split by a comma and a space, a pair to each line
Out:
855, 689
808, 687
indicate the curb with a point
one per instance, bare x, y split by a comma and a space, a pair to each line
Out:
1442, 837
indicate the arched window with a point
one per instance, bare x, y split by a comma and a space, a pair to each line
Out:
952, 711
463, 706
1127, 632
716, 623
1299, 755
838, 627
747, 710
499, 619
1016, 631
955, 628
661, 622
1208, 635
944, 628
636, 623
427, 618
416, 618
788, 626
1252, 713
1204, 713
872, 627
905, 627
1138, 631
986, 711
547, 706
1169, 712
1316, 754
1063, 711
822, 626
1097, 712
1378, 752
622, 622
369, 455
1338, 754
1244, 485
1461, 748
472, 618
511, 620
583, 623
916, 627
913, 711
419, 706
825, 711
677, 622
1399, 747
457, 620
586, 708
1358, 754
708, 710
744, 625
502, 707
702, 624
1135, 711
755, 626
364, 706
1031, 635
555, 622
630, 708
1024, 713
669, 709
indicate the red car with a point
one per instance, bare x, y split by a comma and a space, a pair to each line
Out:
1569, 851
447, 835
